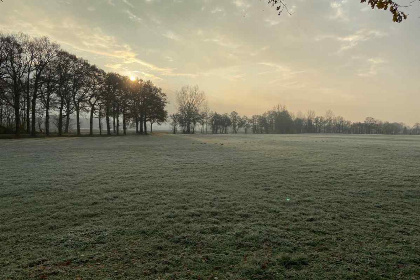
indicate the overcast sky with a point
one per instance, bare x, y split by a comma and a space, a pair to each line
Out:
337, 55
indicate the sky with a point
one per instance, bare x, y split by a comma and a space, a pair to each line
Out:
327, 55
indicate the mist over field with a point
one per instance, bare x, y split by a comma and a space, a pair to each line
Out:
209, 139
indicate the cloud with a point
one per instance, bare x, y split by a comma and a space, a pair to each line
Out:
223, 42
171, 35
133, 17
373, 67
339, 13
259, 51
272, 22
351, 41
218, 10
241, 4
128, 3
114, 67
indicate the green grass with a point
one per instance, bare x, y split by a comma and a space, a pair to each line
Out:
210, 207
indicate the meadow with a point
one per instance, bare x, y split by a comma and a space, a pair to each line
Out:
210, 207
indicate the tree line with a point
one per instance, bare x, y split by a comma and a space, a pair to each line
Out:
42, 85
193, 112
39, 80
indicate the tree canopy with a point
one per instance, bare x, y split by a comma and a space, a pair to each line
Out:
388, 5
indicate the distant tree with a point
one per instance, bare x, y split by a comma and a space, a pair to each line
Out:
156, 112
416, 129
299, 123
319, 124
329, 121
247, 123
189, 101
370, 125
310, 117
214, 122
226, 122
242, 121
283, 121
174, 122
235, 120
205, 117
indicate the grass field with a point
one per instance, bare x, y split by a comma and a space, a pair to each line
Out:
210, 207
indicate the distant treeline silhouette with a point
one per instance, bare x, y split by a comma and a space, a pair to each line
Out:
42, 86
193, 112
39, 80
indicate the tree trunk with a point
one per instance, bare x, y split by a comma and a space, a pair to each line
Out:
17, 118
47, 117
151, 127
113, 119
137, 125
66, 130
108, 125
33, 128
60, 118
1, 114
141, 124
78, 119
34, 97
92, 110
28, 102
124, 125
118, 120
100, 120
145, 126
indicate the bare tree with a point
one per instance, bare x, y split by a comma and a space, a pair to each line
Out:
48, 92
108, 96
80, 88
174, 122
95, 84
310, 117
43, 52
235, 120
189, 101
63, 71
13, 70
